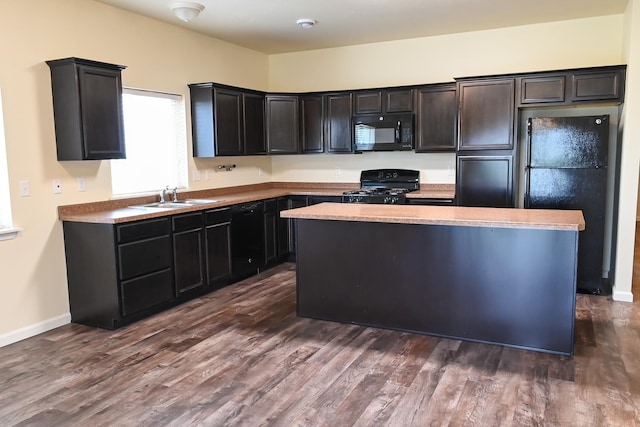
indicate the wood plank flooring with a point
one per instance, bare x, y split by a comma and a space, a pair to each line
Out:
241, 357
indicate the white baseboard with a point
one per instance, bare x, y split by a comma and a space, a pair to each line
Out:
622, 296
33, 330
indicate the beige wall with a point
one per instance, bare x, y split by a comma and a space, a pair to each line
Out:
163, 57
158, 56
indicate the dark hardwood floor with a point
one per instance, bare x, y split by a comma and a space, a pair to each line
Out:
240, 356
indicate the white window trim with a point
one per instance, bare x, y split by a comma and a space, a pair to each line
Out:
9, 233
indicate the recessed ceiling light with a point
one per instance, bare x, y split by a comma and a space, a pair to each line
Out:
306, 23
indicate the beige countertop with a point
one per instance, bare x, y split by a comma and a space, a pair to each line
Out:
570, 220
123, 210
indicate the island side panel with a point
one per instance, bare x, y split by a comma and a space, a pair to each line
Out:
507, 286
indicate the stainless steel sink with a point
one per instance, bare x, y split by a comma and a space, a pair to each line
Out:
178, 204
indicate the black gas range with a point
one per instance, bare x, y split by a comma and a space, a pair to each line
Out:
384, 186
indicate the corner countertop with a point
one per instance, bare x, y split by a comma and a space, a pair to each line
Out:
569, 220
123, 210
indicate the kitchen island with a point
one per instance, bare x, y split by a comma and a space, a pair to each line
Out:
500, 276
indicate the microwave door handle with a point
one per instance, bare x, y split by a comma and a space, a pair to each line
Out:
398, 129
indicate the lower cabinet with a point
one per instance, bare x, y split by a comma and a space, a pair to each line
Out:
188, 252
117, 274
485, 180
270, 231
218, 247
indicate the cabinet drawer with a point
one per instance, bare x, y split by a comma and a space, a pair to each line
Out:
218, 216
144, 256
187, 221
146, 291
143, 230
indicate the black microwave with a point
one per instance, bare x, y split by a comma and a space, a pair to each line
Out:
383, 132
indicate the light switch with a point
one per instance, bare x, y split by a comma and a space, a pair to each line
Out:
25, 188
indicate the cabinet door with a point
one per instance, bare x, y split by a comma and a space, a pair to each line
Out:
486, 114
546, 89
436, 118
100, 100
294, 202
485, 181
270, 228
596, 86
338, 123
218, 246
283, 229
188, 256
398, 101
312, 120
367, 102
253, 124
282, 124
228, 122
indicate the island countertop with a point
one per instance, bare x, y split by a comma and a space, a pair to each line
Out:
550, 219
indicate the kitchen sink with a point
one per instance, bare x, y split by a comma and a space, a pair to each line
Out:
178, 204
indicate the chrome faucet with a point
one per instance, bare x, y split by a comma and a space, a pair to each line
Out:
174, 191
163, 194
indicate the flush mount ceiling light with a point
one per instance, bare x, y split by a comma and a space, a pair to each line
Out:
306, 23
186, 10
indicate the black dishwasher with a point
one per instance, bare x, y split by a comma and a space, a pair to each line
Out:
247, 247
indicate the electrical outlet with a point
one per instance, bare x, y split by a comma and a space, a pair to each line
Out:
260, 172
209, 174
82, 184
57, 186
196, 175
338, 170
451, 171
25, 188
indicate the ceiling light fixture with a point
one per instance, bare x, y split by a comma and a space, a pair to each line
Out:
186, 10
306, 23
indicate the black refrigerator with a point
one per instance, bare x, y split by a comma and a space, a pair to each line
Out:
567, 169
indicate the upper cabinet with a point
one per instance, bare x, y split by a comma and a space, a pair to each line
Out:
338, 132
312, 123
87, 107
486, 109
383, 101
226, 121
282, 124
602, 84
436, 114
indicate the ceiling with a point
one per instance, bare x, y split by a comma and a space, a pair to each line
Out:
269, 26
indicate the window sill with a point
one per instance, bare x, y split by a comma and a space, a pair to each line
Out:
9, 233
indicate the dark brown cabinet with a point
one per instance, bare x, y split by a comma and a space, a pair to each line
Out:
282, 204
218, 246
253, 123
282, 124
270, 229
312, 124
226, 121
485, 180
436, 118
188, 252
118, 273
87, 108
338, 132
486, 109
573, 86
383, 101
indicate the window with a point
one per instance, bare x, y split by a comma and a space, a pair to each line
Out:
155, 143
7, 231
